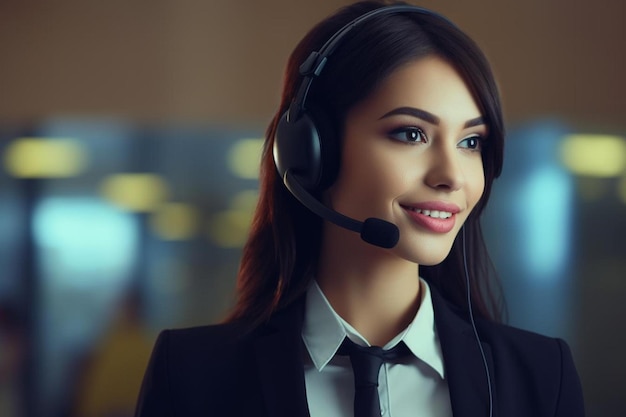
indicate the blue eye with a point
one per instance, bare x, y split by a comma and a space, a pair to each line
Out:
473, 143
409, 135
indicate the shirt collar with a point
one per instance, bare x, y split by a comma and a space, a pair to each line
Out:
324, 330
421, 334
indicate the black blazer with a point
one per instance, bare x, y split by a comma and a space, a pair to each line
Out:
220, 371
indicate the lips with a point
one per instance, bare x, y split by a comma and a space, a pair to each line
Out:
437, 217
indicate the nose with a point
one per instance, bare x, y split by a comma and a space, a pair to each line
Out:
445, 170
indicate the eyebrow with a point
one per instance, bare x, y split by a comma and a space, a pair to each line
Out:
429, 117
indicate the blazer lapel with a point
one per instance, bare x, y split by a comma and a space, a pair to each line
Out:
279, 364
463, 362
279, 352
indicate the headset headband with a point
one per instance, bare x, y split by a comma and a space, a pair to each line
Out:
314, 64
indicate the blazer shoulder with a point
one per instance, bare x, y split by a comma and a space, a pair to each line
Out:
544, 363
209, 341
523, 343
188, 363
226, 333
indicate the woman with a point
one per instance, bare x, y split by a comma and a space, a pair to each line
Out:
396, 120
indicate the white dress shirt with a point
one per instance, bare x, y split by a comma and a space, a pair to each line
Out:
415, 386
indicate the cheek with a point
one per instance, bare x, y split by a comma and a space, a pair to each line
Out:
366, 176
476, 184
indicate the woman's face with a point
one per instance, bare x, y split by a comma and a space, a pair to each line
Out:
412, 156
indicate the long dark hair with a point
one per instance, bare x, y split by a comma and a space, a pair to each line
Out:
281, 253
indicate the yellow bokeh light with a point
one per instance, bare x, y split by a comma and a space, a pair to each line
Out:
245, 200
229, 229
600, 156
174, 221
135, 192
244, 158
45, 158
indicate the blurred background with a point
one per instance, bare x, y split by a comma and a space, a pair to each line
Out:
129, 143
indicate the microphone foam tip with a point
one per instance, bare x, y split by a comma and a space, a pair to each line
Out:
380, 233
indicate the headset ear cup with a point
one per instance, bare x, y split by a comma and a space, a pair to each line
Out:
306, 147
297, 148
329, 147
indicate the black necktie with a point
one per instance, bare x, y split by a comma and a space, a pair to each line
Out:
366, 363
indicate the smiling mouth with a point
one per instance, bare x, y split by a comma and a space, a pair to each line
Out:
435, 214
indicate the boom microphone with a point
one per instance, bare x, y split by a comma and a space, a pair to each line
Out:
373, 230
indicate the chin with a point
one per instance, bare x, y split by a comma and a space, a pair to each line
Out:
425, 252
432, 260
426, 258
429, 262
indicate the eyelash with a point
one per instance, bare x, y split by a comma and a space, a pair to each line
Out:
479, 143
418, 135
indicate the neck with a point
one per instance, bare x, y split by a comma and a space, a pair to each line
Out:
374, 290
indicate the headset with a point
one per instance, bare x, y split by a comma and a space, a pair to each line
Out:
307, 162
303, 151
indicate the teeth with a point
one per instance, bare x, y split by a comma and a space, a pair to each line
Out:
435, 214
